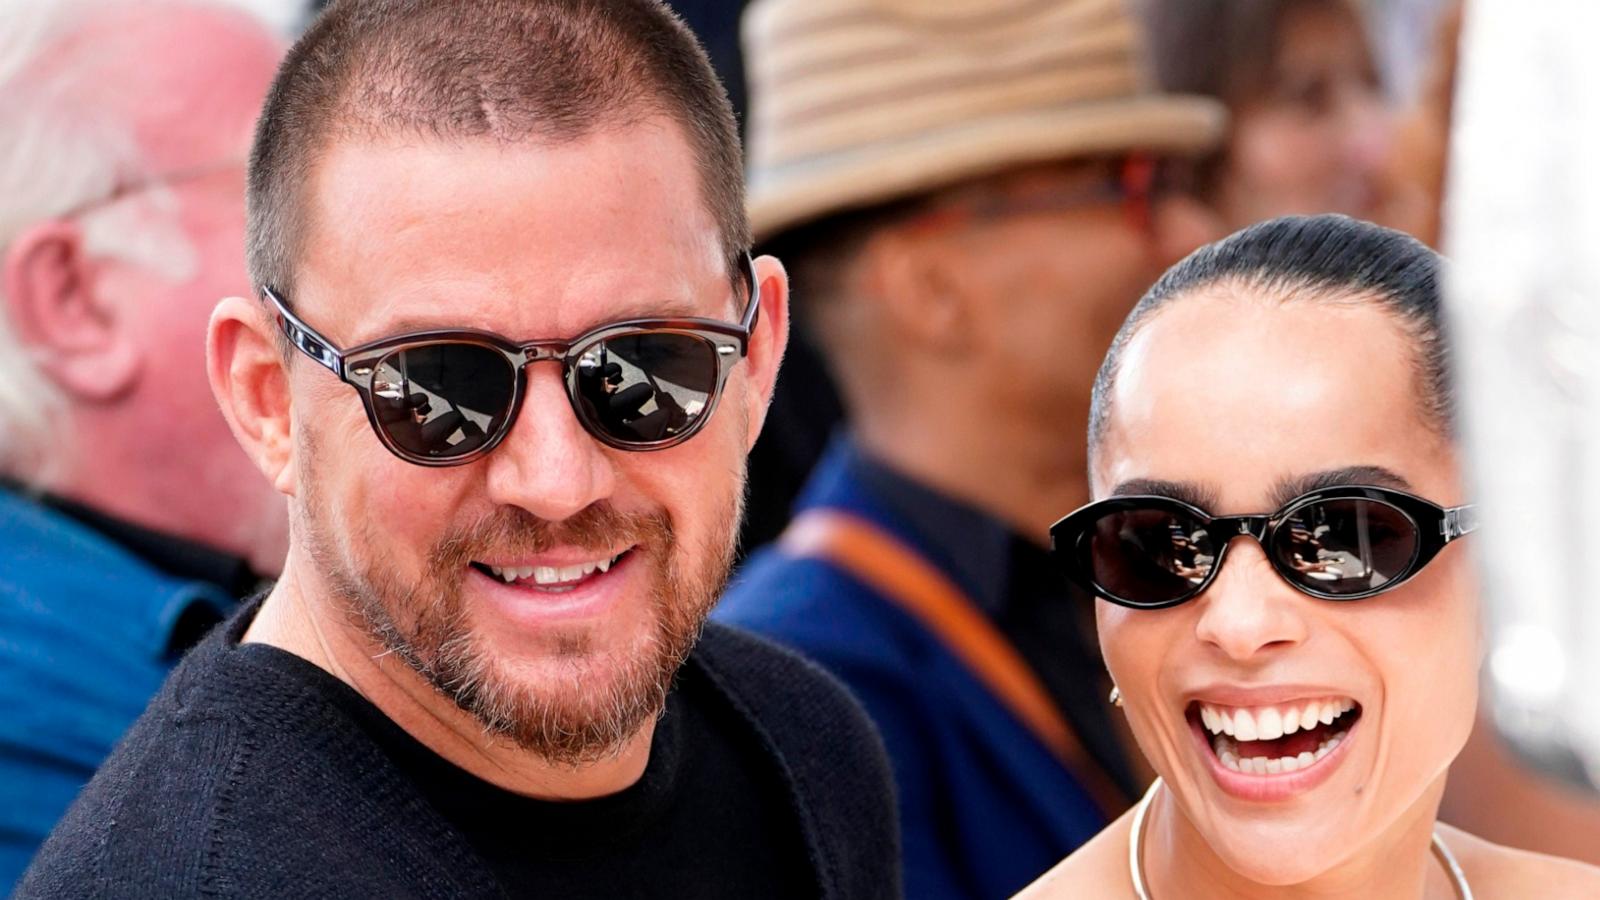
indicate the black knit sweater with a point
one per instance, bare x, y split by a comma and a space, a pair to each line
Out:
238, 782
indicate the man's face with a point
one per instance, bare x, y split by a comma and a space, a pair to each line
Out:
191, 115
618, 555
1060, 270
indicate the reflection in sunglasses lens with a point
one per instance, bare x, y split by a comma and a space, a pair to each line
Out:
1149, 556
1346, 546
647, 387
442, 400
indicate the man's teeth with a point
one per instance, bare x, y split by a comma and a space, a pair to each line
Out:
1268, 723
1228, 752
548, 575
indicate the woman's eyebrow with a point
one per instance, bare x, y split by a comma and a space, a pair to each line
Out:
1189, 492
1294, 486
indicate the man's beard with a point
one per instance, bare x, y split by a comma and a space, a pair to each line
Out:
602, 701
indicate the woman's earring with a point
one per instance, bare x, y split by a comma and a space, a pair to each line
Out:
1116, 696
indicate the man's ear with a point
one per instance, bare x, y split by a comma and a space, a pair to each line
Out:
78, 341
767, 342
925, 292
1181, 224
251, 384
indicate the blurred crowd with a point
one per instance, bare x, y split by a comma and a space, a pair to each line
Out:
968, 199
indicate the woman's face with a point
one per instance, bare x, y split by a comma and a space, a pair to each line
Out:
1244, 403
1319, 138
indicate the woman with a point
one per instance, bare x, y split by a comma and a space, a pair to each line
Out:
1311, 130
1285, 605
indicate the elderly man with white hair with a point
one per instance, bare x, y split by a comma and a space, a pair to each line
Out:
129, 518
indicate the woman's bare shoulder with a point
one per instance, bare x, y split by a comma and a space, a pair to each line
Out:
1495, 871
1096, 871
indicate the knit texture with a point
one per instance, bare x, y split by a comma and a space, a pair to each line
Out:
233, 785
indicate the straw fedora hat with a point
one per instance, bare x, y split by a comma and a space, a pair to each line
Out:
858, 102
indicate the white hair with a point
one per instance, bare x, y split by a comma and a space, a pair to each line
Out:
63, 157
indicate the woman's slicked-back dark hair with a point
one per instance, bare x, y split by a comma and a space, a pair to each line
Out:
1327, 258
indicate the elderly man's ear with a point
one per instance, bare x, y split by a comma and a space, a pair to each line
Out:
251, 384
82, 343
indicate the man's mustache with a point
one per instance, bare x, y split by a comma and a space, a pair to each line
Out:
511, 531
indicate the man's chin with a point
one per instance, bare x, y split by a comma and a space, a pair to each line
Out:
573, 701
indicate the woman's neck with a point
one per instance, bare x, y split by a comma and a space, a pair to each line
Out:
1398, 864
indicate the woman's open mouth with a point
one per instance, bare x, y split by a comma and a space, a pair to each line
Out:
1286, 742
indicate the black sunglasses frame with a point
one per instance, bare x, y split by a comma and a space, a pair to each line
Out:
358, 366
1435, 525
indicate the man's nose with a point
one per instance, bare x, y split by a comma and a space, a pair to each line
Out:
548, 464
1249, 609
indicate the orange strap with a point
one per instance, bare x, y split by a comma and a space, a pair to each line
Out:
884, 563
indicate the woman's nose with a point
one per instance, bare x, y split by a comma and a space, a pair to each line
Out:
1249, 610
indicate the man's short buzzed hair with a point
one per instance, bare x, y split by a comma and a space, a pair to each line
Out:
501, 70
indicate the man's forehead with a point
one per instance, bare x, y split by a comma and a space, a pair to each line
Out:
532, 241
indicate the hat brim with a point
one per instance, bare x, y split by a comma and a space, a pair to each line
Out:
793, 195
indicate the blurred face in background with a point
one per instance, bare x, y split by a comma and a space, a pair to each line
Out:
1053, 257
122, 334
1315, 133
1244, 401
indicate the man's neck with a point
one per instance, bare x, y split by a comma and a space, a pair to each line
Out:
1014, 472
300, 617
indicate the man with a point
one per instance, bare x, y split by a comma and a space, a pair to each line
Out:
129, 519
479, 673
970, 200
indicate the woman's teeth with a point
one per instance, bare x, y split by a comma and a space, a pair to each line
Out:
1272, 722
550, 575
1273, 740
1228, 752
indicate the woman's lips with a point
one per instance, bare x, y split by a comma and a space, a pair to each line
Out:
1274, 752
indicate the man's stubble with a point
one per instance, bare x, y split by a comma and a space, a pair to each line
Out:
605, 695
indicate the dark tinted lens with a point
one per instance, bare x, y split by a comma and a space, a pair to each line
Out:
1347, 546
442, 400
1149, 556
646, 387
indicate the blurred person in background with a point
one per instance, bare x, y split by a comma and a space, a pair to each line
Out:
970, 196
1310, 126
1493, 793
129, 519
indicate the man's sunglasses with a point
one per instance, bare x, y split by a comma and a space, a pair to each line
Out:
445, 398
1339, 543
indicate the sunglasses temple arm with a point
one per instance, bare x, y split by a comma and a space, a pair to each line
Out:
305, 337
754, 311
1459, 522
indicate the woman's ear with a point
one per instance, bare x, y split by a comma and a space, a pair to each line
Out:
79, 342
250, 379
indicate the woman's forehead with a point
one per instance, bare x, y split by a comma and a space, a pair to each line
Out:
1239, 395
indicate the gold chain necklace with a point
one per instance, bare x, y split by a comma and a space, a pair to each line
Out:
1458, 878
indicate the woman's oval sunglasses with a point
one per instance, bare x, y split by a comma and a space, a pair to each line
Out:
1338, 543
447, 397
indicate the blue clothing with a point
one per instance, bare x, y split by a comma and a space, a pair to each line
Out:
985, 806
86, 638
